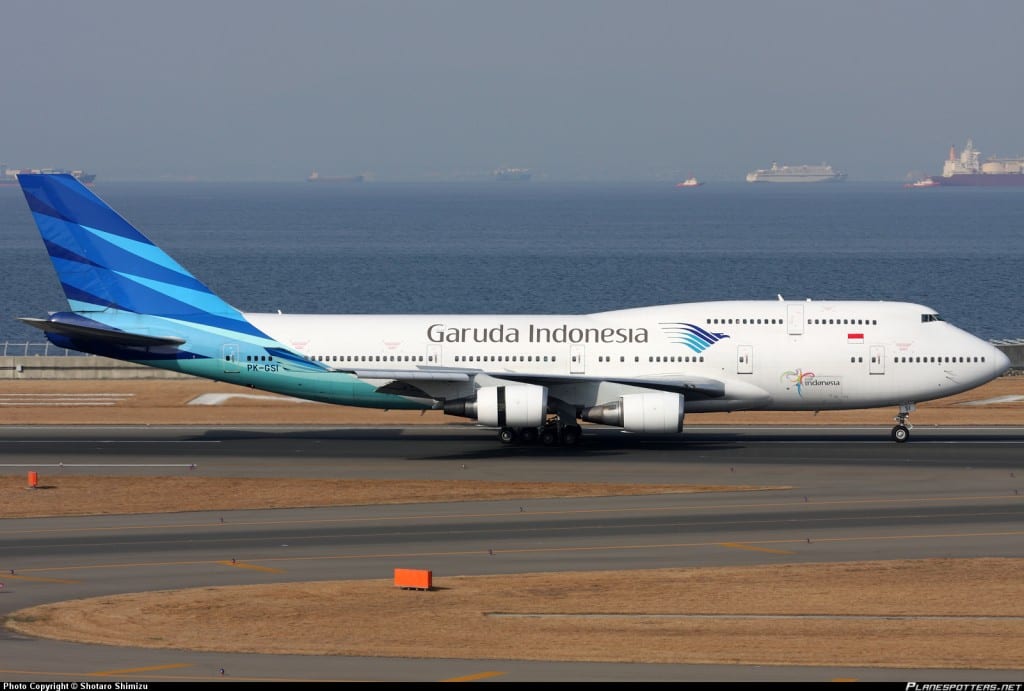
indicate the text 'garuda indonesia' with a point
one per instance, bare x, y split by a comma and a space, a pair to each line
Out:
501, 333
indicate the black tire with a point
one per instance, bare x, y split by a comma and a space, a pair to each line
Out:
507, 435
900, 434
549, 437
571, 435
528, 435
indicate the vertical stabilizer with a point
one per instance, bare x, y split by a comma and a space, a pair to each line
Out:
105, 264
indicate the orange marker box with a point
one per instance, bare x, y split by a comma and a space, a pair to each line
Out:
416, 579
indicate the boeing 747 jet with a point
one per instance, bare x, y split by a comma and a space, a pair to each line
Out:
531, 377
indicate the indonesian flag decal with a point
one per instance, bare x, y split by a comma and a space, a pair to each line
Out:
854, 338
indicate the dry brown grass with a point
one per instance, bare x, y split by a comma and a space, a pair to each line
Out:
858, 614
77, 495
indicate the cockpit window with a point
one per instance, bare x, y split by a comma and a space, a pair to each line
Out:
931, 318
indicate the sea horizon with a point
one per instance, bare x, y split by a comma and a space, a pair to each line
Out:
556, 248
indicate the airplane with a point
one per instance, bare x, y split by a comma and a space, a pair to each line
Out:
534, 378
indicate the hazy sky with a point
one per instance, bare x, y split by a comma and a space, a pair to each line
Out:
451, 89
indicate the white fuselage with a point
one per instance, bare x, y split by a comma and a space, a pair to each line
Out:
777, 355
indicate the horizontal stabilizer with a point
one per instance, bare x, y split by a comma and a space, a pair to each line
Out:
95, 333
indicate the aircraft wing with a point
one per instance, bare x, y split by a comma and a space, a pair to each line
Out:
690, 386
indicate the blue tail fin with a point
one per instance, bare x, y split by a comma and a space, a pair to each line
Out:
105, 264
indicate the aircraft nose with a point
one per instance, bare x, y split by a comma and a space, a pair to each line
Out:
1000, 361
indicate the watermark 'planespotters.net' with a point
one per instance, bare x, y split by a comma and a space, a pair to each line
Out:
963, 686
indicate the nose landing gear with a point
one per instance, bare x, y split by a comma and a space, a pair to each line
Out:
901, 432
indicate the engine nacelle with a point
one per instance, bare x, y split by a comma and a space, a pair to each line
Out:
514, 405
655, 413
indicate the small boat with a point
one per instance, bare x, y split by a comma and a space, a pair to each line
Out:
690, 182
925, 182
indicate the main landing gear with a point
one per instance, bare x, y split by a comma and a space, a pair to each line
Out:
551, 433
901, 432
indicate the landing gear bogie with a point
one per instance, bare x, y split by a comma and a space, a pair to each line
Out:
552, 433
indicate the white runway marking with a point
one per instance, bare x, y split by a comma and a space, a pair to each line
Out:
63, 399
997, 399
98, 465
219, 398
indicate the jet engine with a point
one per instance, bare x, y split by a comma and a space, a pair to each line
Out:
515, 405
654, 412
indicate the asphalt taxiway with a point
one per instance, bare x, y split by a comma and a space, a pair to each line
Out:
854, 495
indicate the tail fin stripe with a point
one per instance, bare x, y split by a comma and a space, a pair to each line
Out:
105, 251
83, 301
78, 272
57, 252
71, 205
297, 360
215, 321
201, 300
151, 254
145, 300
95, 285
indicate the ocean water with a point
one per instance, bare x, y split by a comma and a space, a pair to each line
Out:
557, 248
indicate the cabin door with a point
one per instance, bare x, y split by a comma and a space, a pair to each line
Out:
744, 359
434, 355
877, 363
794, 319
230, 353
577, 359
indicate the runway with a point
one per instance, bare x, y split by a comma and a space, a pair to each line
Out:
852, 495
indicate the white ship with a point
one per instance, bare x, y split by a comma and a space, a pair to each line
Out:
967, 170
517, 174
9, 176
777, 173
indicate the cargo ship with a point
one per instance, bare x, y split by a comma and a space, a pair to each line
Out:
804, 173
967, 170
9, 176
317, 177
515, 174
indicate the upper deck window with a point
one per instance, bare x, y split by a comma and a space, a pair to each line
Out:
930, 318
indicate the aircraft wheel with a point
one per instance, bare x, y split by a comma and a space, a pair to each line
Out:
528, 435
900, 433
571, 435
549, 437
507, 435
